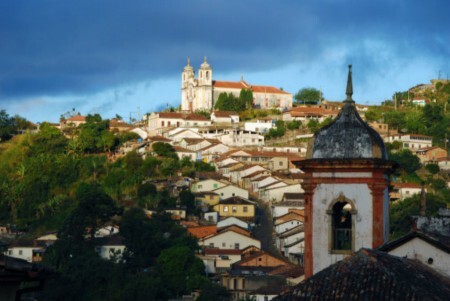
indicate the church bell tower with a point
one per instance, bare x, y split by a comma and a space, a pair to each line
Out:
346, 189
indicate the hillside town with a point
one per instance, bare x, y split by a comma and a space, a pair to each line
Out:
281, 197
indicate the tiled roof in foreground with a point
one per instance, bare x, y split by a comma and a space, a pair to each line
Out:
372, 275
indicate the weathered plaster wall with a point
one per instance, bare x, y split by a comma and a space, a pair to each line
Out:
421, 250
361, 196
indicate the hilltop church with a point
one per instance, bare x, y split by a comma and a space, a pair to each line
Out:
201, 93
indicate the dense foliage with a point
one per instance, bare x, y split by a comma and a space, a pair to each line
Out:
229, 102
308, 96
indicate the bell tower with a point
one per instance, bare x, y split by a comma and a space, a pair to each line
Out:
187, 87
346, 189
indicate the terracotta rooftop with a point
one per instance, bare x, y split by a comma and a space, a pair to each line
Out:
119, 123
234, 228
244, 85
76, 118
372, 275
184, 116
202, 231
182, 149
289, 217
222, 251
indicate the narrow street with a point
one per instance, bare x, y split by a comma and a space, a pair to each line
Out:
264, 228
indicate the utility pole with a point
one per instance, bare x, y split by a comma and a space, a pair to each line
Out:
395, 101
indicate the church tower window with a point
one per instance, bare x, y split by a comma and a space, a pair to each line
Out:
341, 226
207, 75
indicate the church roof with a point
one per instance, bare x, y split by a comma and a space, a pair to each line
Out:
372, 275
348, 136
244, 85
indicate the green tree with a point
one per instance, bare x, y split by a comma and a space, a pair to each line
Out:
164, 150
395, 119
246, 98
187, 198
406, 159
95, 206
181, 270
6, 126
313, 125
308, 95
402, 211
293, 125
373, 114
432, 168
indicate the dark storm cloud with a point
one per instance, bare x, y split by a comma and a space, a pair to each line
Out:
52, 47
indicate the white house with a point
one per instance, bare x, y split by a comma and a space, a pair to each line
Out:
411, 141
231, 191
212, 217
239, 138
177, 135
29, 250
163, 120
237, 174
402, 191
207, 185
212, 152
230, 240
287, 222
283, 207
430, 249
263, 181
229, 221
222, 259
109, 247
275, 194
289, 237
224, 117
261, 125
185, 153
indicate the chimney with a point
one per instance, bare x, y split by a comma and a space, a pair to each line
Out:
423, 201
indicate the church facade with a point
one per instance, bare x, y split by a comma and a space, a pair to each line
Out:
202, 92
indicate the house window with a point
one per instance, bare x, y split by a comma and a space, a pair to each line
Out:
225, 208
234, 208
245, 209
236, 246
224, 245
211, 245
280, 163
168, 123
199, 186
216, 186
20, 252
341, 226
162, 123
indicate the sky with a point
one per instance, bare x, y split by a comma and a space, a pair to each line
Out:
126, 57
